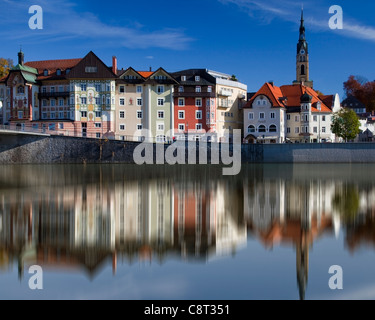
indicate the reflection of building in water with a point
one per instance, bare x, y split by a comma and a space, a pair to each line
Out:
290, 213
85, 227
208, 219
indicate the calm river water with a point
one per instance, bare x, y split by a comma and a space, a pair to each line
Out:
187, 233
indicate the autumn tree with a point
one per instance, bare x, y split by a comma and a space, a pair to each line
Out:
345, 124
5, 66
362, 89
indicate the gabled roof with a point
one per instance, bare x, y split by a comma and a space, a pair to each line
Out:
91, 60
146, 74
328, 100
352, 103
151, 78
190, 74
271, 92
130, 71
289, 96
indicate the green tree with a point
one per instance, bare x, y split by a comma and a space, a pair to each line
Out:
5, 66
345, 124
346, 202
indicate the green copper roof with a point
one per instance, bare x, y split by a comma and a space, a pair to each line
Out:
25, 68
28, 73
29, 77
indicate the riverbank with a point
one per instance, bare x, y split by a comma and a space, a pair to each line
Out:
28, 149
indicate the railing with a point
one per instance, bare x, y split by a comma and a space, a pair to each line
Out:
195, 94
42, 95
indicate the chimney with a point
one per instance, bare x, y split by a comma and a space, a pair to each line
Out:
271, 83
150, 69
114, 65
21, 58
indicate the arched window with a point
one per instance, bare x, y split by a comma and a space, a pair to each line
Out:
262, 128
251, 129
20, 90
303, 70
273, 128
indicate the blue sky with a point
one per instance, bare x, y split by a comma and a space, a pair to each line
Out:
253, 39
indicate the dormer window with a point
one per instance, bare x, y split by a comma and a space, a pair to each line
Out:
183, 78
58, 72
197, 78
67, 71
45, 72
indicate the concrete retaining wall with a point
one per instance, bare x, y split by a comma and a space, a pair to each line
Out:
28, 149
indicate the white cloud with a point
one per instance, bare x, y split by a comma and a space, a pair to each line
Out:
61, 20
316, 16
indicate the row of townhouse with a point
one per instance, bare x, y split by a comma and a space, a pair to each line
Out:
86, 98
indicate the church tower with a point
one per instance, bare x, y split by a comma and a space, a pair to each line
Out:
303, 69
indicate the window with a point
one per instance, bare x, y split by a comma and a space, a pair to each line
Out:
83, 100
108, 101
306, 118
61, 102
261, 115
98, 125
108, 87
160, 89
180, 89
198, 115
160, 102
44, 90
198, 102
83, 87
251, 116
44, 115
209, 89
98, 135
122, 101
139, 127
160, 127
288, 130
20, 114
98, 88
181, 127
296, 118
273, 115
98, 114
83, 114
323, 118
91, 69
20, 90
139, 114
324, 129
251, 129
53, 102
97, 101
52, 89
45, 72
198, 89
52, 126
273, 128
58, 72
61, 89
122, 114
181, 102
197, 78
262, 128
139, 89
198, 126
303, 70
61, 115
61, 126
139, 101
122, 89
53, 115
181, 115
183, 78
315, 118
296, 130
122, 127
315, 129
160, 114
288, 117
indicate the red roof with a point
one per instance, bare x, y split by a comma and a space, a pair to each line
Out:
145, 74
52, 66
291, 96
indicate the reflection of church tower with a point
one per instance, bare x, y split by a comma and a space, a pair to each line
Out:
303, 70
302, 264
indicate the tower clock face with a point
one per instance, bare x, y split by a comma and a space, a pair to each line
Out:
302, 51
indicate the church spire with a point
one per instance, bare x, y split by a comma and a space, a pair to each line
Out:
302, 30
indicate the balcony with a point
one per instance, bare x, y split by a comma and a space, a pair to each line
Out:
194, 94
224, 105
241, 96
225, 93
44, 95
